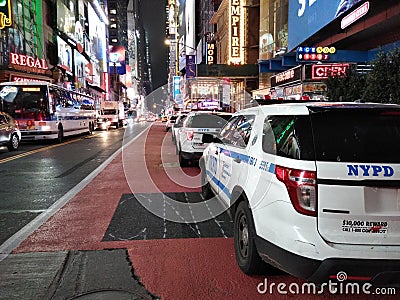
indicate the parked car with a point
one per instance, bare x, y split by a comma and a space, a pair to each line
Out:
313, 188
170, 122
189, 144
176, 127
103, 123
10, 135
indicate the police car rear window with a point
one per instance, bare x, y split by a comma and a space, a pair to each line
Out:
207, 121
357, 135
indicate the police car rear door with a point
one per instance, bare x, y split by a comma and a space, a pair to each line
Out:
358, 175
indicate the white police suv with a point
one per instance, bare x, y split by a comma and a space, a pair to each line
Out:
189, 143
314, 188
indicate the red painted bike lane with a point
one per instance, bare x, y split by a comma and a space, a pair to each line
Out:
179, 268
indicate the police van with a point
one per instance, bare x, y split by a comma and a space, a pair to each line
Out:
313, 188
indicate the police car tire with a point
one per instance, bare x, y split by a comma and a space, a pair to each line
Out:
246, 253
206, 191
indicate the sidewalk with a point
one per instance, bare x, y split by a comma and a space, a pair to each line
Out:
101, 274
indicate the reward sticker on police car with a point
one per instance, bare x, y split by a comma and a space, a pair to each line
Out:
359, 226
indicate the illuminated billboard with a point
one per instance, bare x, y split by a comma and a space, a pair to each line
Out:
98, 53
64, 55
65, 19
117, 60
5, 14
306, 17
236, 32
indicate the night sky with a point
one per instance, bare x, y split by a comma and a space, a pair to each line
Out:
154, 18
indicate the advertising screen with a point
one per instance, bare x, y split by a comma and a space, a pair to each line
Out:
97, 35
117, 59
66, 20
306, 17
64, 55
80, 66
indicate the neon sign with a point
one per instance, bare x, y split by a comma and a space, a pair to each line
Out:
323, 71
24, 79
355, 15
211, 53
288, 76
28, 61
236, 32
5, 14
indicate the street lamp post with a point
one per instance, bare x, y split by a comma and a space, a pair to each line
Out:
168, 42
114, 59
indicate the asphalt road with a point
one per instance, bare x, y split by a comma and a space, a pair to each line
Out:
38, 174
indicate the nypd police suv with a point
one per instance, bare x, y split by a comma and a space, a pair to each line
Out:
189, 145
313, 187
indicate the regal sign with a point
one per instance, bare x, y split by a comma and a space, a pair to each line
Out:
28, 63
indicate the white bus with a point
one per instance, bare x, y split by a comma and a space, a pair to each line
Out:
47, 111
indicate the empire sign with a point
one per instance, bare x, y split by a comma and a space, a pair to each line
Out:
236, 30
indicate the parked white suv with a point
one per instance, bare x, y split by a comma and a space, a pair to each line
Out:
189, 144
314, 188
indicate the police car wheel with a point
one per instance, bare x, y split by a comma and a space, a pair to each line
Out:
245, 249
206, 191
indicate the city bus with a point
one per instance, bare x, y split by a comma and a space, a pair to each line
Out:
47, 111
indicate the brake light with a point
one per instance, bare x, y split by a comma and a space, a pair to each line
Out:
189, 134
302, 188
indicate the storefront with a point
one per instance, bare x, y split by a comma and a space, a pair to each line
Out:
305, 82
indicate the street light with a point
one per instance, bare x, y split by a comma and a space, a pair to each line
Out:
114, 59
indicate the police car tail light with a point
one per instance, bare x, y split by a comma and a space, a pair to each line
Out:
301, 186
189, 134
